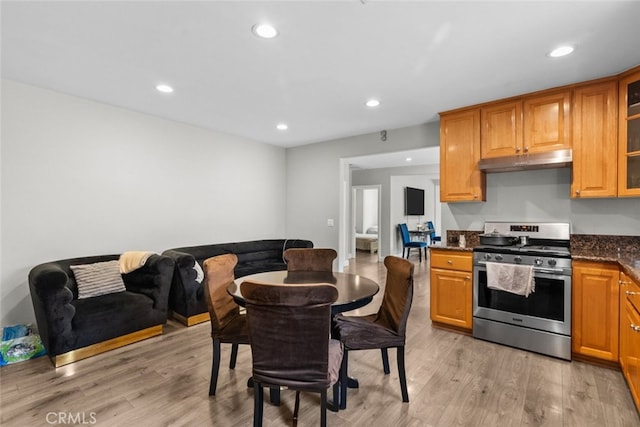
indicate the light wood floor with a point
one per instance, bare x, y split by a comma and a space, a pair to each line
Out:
453, 380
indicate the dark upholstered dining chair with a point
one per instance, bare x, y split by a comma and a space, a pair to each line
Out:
228, 325
383, 330
310, 259
289, 327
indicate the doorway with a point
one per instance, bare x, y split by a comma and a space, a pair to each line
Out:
366, 212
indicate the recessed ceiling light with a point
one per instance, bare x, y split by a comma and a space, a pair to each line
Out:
265, 31
164, 88
561, 51
282, 126
408, 159
372, 103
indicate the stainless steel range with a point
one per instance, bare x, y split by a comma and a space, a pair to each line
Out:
538, 319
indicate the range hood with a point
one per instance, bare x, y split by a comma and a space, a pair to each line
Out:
551, 159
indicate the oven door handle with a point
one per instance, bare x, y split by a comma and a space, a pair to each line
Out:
483, 264
549, 270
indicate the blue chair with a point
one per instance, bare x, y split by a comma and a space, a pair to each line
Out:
432, 235
407, 243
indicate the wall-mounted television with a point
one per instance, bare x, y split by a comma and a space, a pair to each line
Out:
413, 201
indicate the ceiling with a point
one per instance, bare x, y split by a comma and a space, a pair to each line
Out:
417, 58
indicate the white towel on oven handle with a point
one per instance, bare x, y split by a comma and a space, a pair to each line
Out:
517, 279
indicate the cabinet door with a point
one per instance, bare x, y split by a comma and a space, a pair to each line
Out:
630, 335
451, 293
595, 172
629, 136
630, 339
501, 129
547, 122
460, 178
595, 310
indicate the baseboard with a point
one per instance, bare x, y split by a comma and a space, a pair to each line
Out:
191, 320
104, 346
451, 328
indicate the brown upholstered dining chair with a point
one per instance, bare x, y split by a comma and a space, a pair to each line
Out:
228, 325
289, 327
383, 330
310, 259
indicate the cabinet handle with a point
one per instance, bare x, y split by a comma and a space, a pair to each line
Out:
467, 278
622, 282
526, 149
578, 192
517, 149
449, 262
635, 328
631, 293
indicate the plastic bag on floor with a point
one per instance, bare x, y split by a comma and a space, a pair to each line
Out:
19, 343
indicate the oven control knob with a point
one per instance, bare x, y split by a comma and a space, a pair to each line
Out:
538, 261
487, 256
552, 262
498, 257
517, 259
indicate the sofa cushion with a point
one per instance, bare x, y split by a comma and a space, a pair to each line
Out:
97, 279
258, 267
113, 315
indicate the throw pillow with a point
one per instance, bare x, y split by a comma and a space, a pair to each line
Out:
96, 279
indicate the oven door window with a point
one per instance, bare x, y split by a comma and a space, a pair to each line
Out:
546, 302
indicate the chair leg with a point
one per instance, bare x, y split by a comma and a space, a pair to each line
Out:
343, 377
334, 406
385, 361
323, 408
296, 408
234, 355
258, 396
402, 374
215, 367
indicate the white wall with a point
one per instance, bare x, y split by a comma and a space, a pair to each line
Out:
81, 178
314, 185
369, 208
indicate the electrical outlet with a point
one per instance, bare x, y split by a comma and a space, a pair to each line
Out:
330, 222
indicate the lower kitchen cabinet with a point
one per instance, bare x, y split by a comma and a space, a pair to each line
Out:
630, 334
452, 288
595, 295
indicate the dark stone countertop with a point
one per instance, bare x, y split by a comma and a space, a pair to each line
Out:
450, 247
622, 250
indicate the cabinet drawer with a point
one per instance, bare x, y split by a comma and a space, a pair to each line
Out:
451, 260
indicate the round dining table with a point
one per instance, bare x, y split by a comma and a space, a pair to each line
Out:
354, 291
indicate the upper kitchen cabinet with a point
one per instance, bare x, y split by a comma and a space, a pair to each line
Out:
460, 178
629, 135
595, 142
547, 122
501, 133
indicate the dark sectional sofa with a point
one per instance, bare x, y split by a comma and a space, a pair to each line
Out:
72, 329
186, 299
